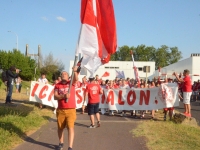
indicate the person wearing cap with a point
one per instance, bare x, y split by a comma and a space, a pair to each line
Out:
66, 111
187, 90
11, 77
92, 92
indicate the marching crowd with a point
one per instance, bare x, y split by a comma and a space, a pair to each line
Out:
128, 83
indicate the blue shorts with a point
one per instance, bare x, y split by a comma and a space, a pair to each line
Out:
93, 108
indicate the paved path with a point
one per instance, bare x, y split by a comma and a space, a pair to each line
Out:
114, 134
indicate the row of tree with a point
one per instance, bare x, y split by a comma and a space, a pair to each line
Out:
29, 66
163, 56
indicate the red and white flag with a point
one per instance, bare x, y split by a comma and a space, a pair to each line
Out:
135, 70
106, 74
97, 39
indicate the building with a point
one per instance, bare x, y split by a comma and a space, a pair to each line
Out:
191, 63
126, 66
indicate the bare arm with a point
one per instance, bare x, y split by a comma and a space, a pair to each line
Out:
61, 96
75, 79
177, 77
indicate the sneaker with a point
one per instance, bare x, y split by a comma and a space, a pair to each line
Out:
188, 115
98, 124
111, 114
69, 148
92, 126
60, 146
142, 116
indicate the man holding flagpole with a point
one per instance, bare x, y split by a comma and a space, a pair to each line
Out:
66, 111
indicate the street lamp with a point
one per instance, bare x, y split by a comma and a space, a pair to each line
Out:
17, 38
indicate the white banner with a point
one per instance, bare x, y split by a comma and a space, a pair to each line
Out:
118, 99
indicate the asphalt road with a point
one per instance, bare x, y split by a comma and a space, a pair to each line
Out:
114, 134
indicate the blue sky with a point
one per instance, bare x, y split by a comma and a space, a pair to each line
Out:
55, 25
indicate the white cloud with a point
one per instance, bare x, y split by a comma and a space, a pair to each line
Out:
45, 18
61, 18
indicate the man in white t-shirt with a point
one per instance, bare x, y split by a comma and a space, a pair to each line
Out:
123, 85
42, 79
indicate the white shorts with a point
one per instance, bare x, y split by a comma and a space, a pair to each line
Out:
186, 97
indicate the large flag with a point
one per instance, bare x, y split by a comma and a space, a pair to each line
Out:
97, 38
120, 74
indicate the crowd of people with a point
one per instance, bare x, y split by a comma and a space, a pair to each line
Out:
128, 83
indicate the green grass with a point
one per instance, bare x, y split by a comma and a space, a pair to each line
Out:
18, 122
165, 135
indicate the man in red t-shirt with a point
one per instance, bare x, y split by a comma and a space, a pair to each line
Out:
92, 91
97, 79
187, 91
66, 111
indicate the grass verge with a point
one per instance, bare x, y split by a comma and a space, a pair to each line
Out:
165, 135
17, 122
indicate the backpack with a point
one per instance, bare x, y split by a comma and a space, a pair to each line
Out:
4, 76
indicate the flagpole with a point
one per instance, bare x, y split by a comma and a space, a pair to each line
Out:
75, 62
135, 69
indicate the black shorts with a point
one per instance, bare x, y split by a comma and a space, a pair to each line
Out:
93, 108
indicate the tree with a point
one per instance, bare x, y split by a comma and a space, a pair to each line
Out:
175, 55
123, 54
162, 56
51, 67
143, 53
16, 58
